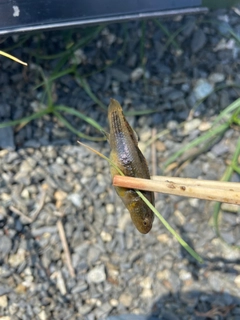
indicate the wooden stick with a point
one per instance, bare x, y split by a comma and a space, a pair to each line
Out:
65, 248
19, 213
200, 183
216, 190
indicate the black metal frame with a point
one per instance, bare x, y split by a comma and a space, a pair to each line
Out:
30, 15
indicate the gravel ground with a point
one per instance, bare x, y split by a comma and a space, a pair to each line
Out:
49, 183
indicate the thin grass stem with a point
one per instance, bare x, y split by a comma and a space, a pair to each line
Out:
212, 132
75, 131
80, 115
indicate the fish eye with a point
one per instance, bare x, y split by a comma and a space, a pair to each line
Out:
145, 223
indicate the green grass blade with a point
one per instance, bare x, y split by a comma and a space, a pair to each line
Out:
118, 55
216, 89
170, 229
75, 131
212, 132
25, 119
236, 168
232, 107
216, 212
234, 35
66, 55
48, 89
84, 84
80, 115
57, 75
173, 36
226, 177
82, 42
22, 39
167, 33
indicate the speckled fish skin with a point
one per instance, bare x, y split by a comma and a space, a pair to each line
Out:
127, 156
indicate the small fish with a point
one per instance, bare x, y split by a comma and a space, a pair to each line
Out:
129, 159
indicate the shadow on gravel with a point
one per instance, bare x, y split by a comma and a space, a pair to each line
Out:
197, 305
211, 264
194, 305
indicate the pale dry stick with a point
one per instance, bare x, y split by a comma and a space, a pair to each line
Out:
19, 213
153, 150
33, 213
65, 248
198, 182
221, 192
221, 311
5, 54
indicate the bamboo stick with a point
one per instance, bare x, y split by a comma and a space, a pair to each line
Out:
201, 183
228, 192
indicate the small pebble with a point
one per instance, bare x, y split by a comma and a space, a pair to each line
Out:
230, 207
198, 41
160, 146
137, 74
76, 199
60, 195
146, 294
5, 245
237, 281
204, 126
18, 258
145, 135
110, 208
3, 301
191, 125
180, 217
194, 202
164, 238
125, 299
146, 283
106, 237
216, 77
7, 138
202, 89
42, 315
97, 274
113, 302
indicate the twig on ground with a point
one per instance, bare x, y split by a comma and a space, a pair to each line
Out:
153, 150
33, 214
65, 248
216, 311
19, 213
